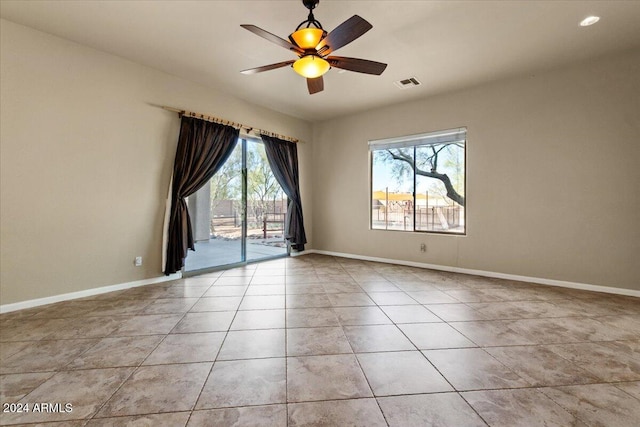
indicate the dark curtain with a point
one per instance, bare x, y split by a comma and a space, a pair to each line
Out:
203, 147
283, 159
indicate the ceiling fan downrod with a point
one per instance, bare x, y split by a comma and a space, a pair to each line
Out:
311, 20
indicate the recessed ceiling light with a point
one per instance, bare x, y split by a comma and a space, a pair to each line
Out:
589, 20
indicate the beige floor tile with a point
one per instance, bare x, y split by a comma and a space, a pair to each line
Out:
454, 312
591, 329
410, 314
353, 316
43, 356
253, 344
407, 372
311, 317
185, 291
492, 333
259, 319
146, 391
14, 387
437, 410
354, 412
268, 280
170, 305
316, 341
432, 297
226, 291
607, 361
540, 366
342, 288
246, 271
175, 419
307, 301
244, 382
538, 309
69, 423
298, 279
262, 302
325, 378
473, 295
85, 327
379, 287
217, 304
187, 348
597, 405
518, 408
304, 289
152, 324
255, 416
350, 299
632, 388
227, 280
114, 352
392, 298
541, 331
8, 349
258, 290
203, 280
630, 323
375, 338
76, 308
25, 330
473, 369
120, 307
581, 347
501, 310
208, 321
416, 286
85, 390
427, 336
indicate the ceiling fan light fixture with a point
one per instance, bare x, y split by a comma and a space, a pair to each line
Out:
308, 38
311, 66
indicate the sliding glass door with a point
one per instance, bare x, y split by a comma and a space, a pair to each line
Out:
238, 216
266, 207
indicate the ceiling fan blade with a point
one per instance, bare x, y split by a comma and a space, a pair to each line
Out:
315, 85
272, 37
357, 65
267, 67
343, 34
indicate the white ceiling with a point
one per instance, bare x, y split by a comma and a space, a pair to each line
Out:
447, 45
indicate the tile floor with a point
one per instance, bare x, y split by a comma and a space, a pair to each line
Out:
324, 341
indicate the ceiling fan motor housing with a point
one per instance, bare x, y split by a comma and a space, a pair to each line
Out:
310, 4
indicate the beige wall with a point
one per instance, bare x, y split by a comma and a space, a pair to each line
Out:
86, 162
552, 179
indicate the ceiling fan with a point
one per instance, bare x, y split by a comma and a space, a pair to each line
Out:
313, 46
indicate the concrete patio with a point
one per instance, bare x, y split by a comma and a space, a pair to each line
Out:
219, 252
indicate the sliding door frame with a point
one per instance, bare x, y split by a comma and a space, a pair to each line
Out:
243, 140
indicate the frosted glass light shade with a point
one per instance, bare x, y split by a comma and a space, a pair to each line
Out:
308, 38
311, 66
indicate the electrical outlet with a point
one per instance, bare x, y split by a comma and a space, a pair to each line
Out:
138, 261
423, 247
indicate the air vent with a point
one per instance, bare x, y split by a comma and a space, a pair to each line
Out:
407, 83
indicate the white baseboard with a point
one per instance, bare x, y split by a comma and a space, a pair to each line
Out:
538, 280
6, 308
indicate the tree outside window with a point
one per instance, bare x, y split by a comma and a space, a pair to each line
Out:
418, 182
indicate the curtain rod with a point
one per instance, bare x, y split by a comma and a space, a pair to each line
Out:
214, 119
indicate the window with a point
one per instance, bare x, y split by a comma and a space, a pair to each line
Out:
418, 182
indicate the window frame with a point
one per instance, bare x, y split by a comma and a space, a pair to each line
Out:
404, 140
